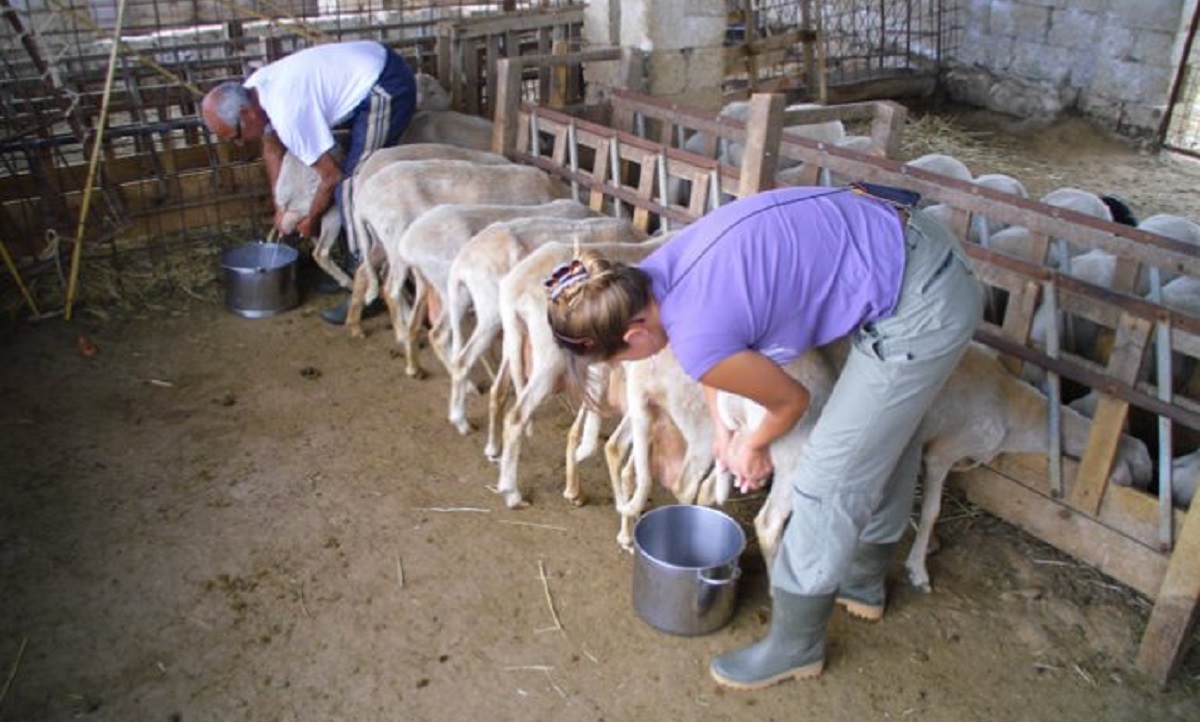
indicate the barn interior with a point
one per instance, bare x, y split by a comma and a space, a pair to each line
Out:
119, 207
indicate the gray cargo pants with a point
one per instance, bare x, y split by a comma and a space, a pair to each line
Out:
858, 472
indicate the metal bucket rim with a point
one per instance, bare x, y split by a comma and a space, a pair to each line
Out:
284, 256
662, 510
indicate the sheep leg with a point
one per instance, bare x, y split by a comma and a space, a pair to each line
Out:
771, 520
571, 488
615, 452
461, 364
629, 516
934, 482
358, 292
409, 329
497, 398
540, 386
322, 251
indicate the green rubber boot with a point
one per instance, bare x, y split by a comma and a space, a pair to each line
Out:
863, 592
794, 647
336, 315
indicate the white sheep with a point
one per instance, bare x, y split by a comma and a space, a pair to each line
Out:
816, 372
358, 240
665, 432
430, 93
983, 228
982, 411
398, 194
450, 127
526, 331
1079, 201
731, 153
430, 245
473, 281
295, 187
1174, 227
942, 164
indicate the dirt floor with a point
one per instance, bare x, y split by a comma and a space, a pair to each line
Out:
218, 518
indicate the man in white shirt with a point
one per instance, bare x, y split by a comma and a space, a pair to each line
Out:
293, 105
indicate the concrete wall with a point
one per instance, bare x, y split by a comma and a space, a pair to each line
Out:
682, 38
1113, 61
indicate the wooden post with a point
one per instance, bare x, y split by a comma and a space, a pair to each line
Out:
1174, 614
446, 67
558, 82
1133, 333
887, 125
508, 105
764, 125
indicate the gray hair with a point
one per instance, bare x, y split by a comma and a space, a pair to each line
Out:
227, 101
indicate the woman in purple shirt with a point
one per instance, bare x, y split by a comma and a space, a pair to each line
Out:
753, 285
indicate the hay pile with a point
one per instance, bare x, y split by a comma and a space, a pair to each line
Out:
982, 151
124, 278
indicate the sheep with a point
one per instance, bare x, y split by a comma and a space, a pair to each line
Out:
984, 411
523, 316
792, 175
942, 164
1174, 227
1185, 473
981, 412
430, 245
665, 424
1079, 201
430, 93
357, 237
473, 280
397, 195
295, 187
450, 127
815, 371
983, 228
730, 152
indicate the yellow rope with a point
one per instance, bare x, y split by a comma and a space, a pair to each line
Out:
12, 268
77, 251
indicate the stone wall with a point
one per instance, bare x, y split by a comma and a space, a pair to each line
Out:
683, 41
1113, 61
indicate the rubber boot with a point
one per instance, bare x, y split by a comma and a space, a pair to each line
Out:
336, 315
794, 647
863, 592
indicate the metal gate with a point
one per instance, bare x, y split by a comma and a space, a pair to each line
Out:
1182, 127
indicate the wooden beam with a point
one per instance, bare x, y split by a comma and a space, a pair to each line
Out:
1079, 535
1174, 614
764, 125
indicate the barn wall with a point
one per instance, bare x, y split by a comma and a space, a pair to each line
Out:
1111, 60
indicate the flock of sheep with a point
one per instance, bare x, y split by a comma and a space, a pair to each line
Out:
475, 234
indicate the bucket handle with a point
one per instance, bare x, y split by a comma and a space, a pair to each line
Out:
706, 593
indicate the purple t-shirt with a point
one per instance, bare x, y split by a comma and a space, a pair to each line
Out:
779, 272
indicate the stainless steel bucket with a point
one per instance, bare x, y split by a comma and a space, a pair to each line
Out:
260, 279
686, 568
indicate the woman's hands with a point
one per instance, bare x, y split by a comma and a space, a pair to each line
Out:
751, 466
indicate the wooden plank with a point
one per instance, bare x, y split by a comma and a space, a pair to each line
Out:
507, 106
1079, 535
1125, 510
764, 125
1174, 614
1109, 422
